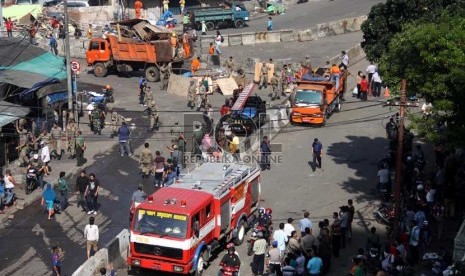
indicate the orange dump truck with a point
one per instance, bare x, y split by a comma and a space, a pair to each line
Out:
314, 100
125, 55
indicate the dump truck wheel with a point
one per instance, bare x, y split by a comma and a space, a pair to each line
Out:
239, 24
152, 74
210, 26
100, 70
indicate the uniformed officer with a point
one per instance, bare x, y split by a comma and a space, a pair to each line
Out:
263, 76
56, 133
96, 122
164, 76
114, 121
191, 94
146, 160
148, 96
24, 151
229, 64
44, 136
153, 114
71, 133
308, 65
274, 86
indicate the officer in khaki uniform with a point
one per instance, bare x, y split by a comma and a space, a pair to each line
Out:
57, 149
153, 114
229, 64
165, 76
114, 122
275, 87
71, 133
263, 76
148, 96
44, 136
146, 161
191, 94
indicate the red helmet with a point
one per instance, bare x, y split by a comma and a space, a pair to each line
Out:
268, 211
229, 245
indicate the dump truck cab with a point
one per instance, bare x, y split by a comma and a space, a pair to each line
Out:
98, 51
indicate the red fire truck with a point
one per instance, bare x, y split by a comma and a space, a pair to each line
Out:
178, 228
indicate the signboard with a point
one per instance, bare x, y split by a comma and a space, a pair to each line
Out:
75, 66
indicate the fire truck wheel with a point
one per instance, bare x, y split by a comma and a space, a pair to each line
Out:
200, 264
240, 234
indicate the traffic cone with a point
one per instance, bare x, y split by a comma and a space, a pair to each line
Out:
386, 92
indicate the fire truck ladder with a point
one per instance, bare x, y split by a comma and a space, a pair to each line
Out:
246, 92
232, 180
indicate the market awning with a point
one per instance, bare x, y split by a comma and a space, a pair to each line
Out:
23, 64
11, 112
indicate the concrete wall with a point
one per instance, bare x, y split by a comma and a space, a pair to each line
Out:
116, 253
93, 264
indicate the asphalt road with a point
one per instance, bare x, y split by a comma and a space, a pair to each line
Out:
305, 15
26, 243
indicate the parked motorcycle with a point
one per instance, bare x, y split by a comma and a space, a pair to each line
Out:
385, 215
228, 271
32, 180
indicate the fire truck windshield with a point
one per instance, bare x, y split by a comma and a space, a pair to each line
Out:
161, 223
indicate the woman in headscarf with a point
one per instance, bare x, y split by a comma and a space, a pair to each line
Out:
48, 196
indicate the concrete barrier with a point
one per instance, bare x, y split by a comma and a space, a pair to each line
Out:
248, 38
261, 37
205, 40
119, 248
306, 35
93, 264
274, 36
225, 43
235, 39
287, 35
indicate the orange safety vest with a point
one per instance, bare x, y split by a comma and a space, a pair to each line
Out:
195, 65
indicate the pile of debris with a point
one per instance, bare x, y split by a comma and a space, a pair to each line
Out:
141, 29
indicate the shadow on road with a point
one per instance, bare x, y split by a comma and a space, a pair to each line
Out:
360, 154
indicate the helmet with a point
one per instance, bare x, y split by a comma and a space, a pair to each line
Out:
274, 244
230, 245
260, 234
261, 211
268, 211
153, 103
35, 156
107, 87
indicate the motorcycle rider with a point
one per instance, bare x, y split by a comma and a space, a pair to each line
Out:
230, 261
39, 166
108, 94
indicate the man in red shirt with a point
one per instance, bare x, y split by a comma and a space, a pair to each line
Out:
363, 88
55, 25
9, 27
159, 169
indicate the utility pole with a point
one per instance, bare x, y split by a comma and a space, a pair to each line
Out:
400, 149
68, 61
1, 18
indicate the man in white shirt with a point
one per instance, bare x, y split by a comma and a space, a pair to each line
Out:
288, 227
92, 236
371, 69
45, 152
376, 84
281, 238
344, 61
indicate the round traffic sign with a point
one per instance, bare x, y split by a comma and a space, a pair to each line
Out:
75, 66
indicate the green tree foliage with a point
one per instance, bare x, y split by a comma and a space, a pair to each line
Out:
387, 19
431, 57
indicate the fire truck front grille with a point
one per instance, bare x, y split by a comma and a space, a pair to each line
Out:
156, 250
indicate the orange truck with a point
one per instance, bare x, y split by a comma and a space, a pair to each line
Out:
314, 100
125, 55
